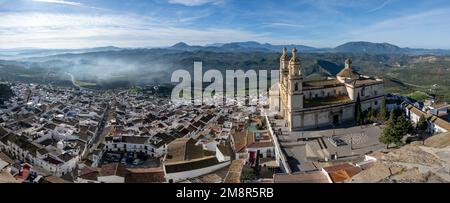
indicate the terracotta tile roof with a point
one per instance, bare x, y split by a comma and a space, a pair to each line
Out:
54, 179
315, 102
135, 139
224, 148
6, 177
145, 175
261, 144
65, 157
183, 149
242, 140
440, 105
365, 81
6, 158
442, 123
89, 173
234, 172
211, 178
339, 176
114, 169
341, 172
174, 167
304, 177
315, 84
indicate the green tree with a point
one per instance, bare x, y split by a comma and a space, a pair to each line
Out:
383, 112
371, 116
397, 126
263, 123
404, 125
422, 123
358, 111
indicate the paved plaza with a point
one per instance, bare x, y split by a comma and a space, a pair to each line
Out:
307, 150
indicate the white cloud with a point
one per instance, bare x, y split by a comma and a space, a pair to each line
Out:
84, 30
283, 24
414, 30
195, 2
384, 4
71, 3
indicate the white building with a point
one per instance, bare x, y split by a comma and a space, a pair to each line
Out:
149, 145
55, 160
435, 124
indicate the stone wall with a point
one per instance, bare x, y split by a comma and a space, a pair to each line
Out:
325, 92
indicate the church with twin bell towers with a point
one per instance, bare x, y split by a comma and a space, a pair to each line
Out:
309, 104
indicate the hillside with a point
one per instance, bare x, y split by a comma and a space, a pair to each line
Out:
413, 163
368, 47
406, 74
438, 141
5, 92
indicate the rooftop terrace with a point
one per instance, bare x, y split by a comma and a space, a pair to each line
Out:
308, 103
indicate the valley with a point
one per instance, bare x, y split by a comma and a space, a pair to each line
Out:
409, 74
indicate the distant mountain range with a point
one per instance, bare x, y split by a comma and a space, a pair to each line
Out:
12, 54
385, 48
350, 47
250, 46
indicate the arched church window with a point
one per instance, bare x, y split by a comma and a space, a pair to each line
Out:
296, 86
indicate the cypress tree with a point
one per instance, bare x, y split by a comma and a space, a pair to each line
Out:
358, 111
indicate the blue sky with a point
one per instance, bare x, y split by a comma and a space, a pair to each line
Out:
152, 23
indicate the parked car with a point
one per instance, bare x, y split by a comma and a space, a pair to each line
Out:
337, 141
137, 162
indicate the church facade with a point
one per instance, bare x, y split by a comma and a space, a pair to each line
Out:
308, 104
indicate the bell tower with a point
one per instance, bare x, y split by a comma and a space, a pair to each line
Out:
284, 68
295, 87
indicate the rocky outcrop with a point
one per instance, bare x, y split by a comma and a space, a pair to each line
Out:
429, 163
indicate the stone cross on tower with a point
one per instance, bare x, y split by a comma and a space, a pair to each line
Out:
348, 63
294, 63
294, 55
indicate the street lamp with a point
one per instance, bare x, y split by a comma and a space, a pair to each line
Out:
334, 127
351, 142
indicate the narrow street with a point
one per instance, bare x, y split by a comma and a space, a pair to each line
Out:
102, 131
